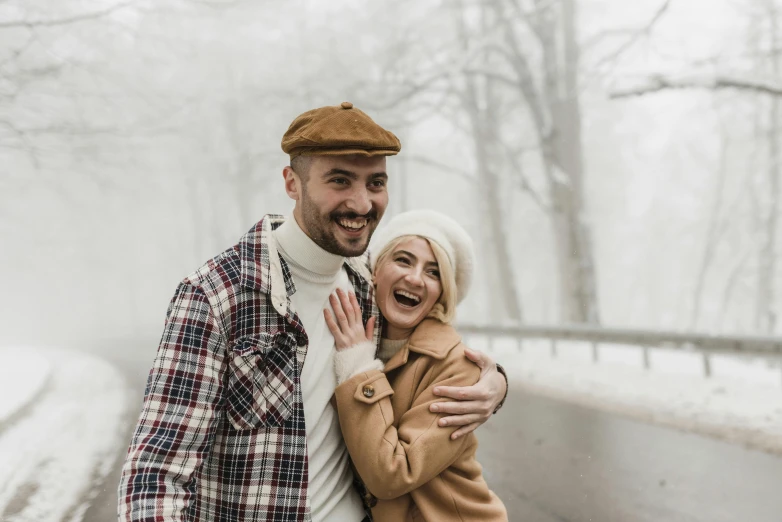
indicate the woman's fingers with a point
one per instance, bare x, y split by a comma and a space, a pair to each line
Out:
348, 321
347, 306
339, 312
333, 326
356, 308
370, 329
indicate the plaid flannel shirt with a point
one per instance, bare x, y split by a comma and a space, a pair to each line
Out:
221, 435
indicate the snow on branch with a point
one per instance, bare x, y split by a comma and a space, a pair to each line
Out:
658, 83
93, 15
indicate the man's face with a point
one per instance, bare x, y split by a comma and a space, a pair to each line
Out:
341, 200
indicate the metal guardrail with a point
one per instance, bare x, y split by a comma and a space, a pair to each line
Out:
759, 346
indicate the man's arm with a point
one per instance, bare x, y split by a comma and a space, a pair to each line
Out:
177, 423
473, 405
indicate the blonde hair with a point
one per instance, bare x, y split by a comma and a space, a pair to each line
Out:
444, 309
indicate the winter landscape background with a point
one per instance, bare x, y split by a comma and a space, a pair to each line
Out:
617, 163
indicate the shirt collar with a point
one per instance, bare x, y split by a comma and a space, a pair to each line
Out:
262, 268
254, 254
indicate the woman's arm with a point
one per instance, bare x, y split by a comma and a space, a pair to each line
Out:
393, 460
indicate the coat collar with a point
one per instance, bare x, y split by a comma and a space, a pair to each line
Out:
431, 338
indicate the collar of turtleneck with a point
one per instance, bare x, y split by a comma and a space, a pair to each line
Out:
388, 348
306, 259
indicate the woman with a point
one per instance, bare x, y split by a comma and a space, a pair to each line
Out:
412, 466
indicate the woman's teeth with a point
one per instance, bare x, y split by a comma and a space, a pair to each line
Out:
406, 298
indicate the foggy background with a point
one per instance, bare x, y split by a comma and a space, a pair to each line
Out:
616, 162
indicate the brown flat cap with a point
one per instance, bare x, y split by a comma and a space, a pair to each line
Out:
338, 131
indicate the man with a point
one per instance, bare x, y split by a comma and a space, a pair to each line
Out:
235, 426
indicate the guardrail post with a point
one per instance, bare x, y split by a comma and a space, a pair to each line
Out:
647, 362
553, 347
706, 364
595, 354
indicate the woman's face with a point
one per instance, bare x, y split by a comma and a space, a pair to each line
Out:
408, 286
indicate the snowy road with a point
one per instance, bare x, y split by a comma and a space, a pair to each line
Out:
556, 462
550, 461
59, 446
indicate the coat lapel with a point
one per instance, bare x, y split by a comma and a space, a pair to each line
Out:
431, 338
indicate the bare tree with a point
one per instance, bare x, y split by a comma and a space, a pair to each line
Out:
666, 82
552, 99
714, 231
515, 69
765, 312
762, 84
481, 101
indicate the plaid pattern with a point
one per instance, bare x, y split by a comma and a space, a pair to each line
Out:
221, 435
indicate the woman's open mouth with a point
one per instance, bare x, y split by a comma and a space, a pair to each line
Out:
406, 299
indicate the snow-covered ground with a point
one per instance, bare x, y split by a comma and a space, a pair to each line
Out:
741, 403
23, 374
61, 411
64, 436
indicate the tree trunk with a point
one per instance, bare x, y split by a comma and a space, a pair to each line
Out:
481, 105
766, 314
563, 156
503, 275
712, 235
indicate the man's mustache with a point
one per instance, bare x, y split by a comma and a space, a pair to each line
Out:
369, 216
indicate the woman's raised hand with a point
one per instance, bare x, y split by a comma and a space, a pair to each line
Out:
348, 328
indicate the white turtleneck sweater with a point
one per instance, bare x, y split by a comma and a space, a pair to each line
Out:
316, 274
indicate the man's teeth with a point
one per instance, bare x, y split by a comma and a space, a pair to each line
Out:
354, 224
409, 295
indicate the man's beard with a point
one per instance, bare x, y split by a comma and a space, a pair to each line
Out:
319, 228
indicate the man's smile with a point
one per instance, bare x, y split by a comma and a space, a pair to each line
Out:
352, 227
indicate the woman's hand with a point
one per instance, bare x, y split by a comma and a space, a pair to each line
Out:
348, 329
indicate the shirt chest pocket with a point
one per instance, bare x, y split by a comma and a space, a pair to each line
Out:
261, 380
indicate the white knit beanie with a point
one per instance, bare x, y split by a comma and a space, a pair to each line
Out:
436, 227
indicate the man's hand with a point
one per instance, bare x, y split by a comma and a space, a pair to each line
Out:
474, 404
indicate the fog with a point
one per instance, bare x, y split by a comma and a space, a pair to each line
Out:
617, 164
631, 187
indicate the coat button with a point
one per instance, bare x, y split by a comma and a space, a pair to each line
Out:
369, 391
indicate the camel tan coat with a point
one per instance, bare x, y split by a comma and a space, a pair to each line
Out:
404, 458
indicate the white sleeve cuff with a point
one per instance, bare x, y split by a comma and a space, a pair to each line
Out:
356, 359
